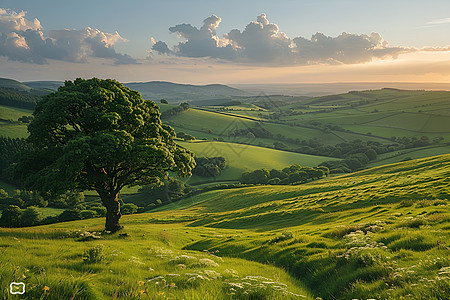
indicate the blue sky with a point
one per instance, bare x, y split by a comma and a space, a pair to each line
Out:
404, 24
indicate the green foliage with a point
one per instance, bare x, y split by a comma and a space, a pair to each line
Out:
94, 254
16, 98
88, 214
99, 135
31, 216
129, 208
170, 190
10, 148
11, 217
290, 175
209, 166
30, 198
69, 215
185, 136
175, 110
100, 210
3, 194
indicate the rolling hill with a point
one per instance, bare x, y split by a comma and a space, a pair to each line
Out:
385, 112
379, 233
48, 85
243, 158
13, 84
175, 92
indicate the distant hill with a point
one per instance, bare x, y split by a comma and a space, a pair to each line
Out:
48, 85
156, 90
6, 83
175, 92
163, 87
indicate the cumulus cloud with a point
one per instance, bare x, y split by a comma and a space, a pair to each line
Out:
23, 40
262, 42
202, 42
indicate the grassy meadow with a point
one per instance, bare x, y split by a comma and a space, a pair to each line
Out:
380, 233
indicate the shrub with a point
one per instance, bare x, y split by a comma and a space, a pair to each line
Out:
88, 214
69, 215
100, 210
11, 217
94, 254
129, 208
31, 216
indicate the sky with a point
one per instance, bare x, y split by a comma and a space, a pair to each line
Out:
230, 42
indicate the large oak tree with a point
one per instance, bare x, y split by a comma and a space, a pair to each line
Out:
99, 135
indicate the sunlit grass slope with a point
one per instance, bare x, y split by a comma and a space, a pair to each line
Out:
9, 127
381, 233
241, 158
148, 263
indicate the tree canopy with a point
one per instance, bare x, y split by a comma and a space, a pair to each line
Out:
99, 135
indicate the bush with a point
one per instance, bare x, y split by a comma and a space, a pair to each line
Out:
11, 217
88, 214
94, 254
31, 216
69, 215
100, 210
129, 208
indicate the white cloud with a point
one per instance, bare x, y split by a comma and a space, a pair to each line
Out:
262, 42
23, 40
439, 21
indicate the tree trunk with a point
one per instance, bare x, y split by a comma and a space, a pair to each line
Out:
111, 202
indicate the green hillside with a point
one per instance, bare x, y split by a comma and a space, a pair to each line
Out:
9, 124
381, 233
48, 85
207, 124
385, 113
13, 84
241, 158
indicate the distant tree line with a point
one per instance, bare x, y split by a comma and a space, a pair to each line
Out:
294, 174
209, 166
185, 136
176, 110
16, 98
22, 208
162, 193
258, 131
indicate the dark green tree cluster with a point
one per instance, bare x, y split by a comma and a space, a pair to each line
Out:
413, 142
258, 131
176, 110
9, 154
209, 166
168, 191
185, 136
25, 119
15, 98
14, 216
99, 135
293, 174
